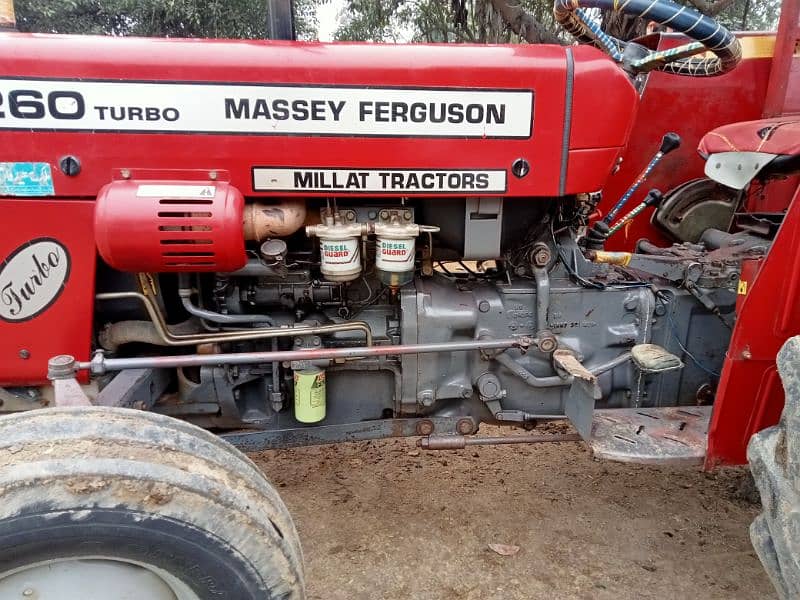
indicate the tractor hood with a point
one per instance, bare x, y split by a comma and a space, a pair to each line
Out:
312, 119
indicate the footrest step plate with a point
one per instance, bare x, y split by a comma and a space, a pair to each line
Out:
673, 435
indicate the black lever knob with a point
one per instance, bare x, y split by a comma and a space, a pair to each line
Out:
669, 142
653, 198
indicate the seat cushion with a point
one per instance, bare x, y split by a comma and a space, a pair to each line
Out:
780, 135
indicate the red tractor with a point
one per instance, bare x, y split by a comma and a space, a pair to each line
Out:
302, 243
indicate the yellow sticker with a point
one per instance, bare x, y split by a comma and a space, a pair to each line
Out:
742, 290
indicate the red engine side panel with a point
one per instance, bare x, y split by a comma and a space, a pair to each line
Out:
46, 285
561, 81
750, 393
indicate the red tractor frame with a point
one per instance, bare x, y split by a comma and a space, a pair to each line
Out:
174, 181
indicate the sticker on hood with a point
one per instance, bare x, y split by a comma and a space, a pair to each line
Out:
32, 277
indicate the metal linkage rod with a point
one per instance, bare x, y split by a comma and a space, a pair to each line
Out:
99, 364
457, 442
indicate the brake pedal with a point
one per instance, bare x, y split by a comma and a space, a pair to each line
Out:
650, 358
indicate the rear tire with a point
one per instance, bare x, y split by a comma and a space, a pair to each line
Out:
774, 456
128, 499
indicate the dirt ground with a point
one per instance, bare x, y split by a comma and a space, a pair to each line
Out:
383, 520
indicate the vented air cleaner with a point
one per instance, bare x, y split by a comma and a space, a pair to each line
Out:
170, 226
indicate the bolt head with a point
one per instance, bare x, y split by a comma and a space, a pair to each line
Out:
70, 165
465, 427
547, 344
520, 168
541, 255
424, 427
490, 389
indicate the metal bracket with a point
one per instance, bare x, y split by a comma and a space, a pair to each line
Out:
134, 388
483, 228
583, 393
736, 169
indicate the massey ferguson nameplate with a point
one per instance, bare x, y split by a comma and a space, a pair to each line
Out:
263, 109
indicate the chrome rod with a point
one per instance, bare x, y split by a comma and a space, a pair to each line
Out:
457, 442
99, 364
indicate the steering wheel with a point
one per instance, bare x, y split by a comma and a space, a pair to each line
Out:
709, 35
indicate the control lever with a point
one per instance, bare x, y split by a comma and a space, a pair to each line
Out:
601, 229
653, 198
671, 141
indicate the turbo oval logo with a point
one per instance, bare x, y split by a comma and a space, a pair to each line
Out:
31, 278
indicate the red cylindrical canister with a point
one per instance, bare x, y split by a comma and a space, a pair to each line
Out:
170, 226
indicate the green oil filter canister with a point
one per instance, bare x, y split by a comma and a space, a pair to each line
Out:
309, 395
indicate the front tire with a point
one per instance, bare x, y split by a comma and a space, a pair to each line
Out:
107, 502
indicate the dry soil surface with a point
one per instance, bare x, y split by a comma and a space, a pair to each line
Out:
383, 520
